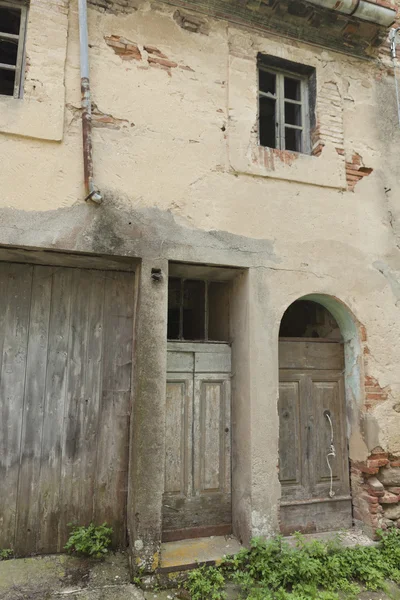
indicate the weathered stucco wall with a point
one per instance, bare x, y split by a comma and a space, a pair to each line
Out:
176, 156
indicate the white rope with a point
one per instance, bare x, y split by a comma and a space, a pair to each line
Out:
331, 453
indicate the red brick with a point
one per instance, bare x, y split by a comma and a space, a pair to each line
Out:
162, 61
379, 462
370, 499
375, 493
368, 470
156, 51
389, 498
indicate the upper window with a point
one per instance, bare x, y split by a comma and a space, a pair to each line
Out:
198, 310
12, 36
284, 105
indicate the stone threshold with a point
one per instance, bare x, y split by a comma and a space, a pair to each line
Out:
188, 554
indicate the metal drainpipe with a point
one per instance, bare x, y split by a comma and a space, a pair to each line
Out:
367, 10
91, 190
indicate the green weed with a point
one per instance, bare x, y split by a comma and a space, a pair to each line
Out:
316, 570
89, 541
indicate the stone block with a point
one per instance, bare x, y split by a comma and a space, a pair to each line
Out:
375, 485
389, 498
390, 476
392, 512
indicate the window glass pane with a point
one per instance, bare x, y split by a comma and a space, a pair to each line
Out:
8, 52
194, 302
293, 139
267, 122
9, 20
174, 303
7, 79
267, 81
292, 88
292, 113
218, 311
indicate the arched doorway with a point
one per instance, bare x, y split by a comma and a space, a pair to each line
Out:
313, 446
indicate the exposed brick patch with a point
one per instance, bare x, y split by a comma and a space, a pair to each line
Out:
355, 171
115, 6
374, 393
162, 62
330, 117
191, 22
317, 145
101, 119
123, 48
268, 156
128, 50
376, 497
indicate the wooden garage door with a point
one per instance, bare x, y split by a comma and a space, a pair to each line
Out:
65, 387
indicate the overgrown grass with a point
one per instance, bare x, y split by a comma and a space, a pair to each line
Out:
316, 570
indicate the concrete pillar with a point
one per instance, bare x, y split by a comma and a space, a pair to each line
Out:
264, 391
147, 435
255, 425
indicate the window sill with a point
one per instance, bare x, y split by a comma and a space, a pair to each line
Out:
32, 118
326, 170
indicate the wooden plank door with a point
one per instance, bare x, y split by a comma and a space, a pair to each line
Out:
311, 389
197, 498
65, 396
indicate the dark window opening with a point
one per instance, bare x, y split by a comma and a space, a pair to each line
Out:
286, 104
307, 319
10, 20
12, 27
267, 122
198, 310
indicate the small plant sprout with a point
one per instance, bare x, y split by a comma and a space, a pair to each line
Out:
91, 541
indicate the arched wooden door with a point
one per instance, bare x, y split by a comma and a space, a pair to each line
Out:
313, 452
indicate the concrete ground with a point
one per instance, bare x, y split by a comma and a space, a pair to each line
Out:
63, 577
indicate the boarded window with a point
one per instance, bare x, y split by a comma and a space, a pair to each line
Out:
12, 38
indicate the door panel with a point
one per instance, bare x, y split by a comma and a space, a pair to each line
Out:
307, 394
178, 435
290, 438
328, 396
212, 435
197, 498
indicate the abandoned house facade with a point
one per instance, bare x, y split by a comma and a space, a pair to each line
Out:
199, 302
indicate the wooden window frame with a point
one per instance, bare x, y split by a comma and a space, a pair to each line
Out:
279, 98
18, 68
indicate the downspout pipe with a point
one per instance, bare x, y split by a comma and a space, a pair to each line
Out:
362, 9
92, 192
